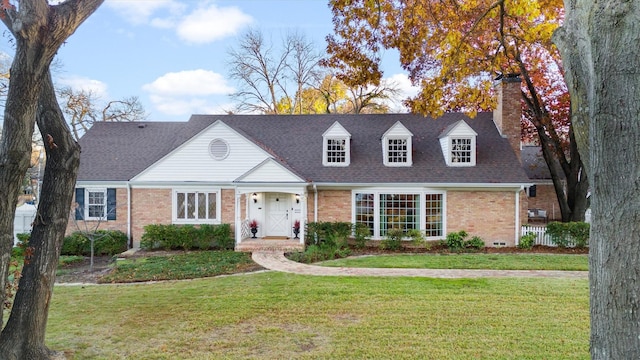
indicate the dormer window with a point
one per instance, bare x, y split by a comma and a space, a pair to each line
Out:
458, 143
396, 146
336, 149
461, 150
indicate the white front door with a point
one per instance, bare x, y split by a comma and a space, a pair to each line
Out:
278, 217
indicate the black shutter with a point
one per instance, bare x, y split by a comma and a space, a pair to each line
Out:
111, 204
532, 191
80, 202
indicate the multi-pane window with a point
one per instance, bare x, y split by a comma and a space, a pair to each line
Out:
96, 202
365, 210
461, 150
433, 214
384, 212
399, 211
195, 206
397, 151
336, 151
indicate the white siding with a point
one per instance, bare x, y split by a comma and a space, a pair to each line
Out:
270, 171
192, 161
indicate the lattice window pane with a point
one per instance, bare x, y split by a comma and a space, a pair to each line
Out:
96, 204
202, 205
399, 211
433, 214
181, 206
191, 205
397, 151
212, 206
461, 150
365, 213
336, 150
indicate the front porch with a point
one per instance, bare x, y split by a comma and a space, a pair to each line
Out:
283, 245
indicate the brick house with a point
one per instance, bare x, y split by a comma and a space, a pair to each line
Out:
386, 171
541, 195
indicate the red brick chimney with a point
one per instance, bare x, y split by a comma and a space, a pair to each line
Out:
508, 113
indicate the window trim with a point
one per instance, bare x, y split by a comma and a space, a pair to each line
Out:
206, 191
87, 192
472, 154
408, 191
386, 150
325, 150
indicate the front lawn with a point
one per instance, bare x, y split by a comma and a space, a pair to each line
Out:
273, 315
468, 261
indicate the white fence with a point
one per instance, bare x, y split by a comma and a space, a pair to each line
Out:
22, 222
541, 234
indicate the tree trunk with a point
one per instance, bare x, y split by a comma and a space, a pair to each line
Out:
39, 29
23, 336
599, 45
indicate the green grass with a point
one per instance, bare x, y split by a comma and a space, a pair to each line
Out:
468, 261
183, 266
274, 315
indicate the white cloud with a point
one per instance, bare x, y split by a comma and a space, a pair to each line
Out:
97, 87
140, 12
188, 92
203, 24
406, 90
190, 83
209, 23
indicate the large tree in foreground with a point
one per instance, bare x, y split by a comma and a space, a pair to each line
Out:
600, 45
39, 30
453, 49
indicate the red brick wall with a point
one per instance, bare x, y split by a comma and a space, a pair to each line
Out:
333, 205
488, 214
149, 206
546, 199
228, 199
508, 113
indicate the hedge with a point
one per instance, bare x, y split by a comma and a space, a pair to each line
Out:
569, 234
106, 242
187, 237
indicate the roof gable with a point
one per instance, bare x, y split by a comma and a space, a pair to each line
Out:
269, 171
199, 158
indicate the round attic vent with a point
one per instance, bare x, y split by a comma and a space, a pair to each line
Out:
218, 149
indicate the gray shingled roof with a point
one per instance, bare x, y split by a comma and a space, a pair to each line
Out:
119, 151
534, 164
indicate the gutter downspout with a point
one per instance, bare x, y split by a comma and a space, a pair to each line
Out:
315, 203
130, 242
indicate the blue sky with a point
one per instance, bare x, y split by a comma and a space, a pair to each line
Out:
172, 54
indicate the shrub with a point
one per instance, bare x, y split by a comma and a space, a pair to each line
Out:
417, 238
569, 234
23, 242
474, 243
361, 233
327, 232
527, 241
106, 242
187, 237
455, 240
393, 240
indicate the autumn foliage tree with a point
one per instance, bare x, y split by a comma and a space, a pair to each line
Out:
453, 49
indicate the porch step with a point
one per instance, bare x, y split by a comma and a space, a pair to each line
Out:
269, 245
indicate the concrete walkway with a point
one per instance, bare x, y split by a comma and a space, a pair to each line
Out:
275, 260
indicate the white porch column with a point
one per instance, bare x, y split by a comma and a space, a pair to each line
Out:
238, 220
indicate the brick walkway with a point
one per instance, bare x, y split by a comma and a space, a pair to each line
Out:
275, 260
